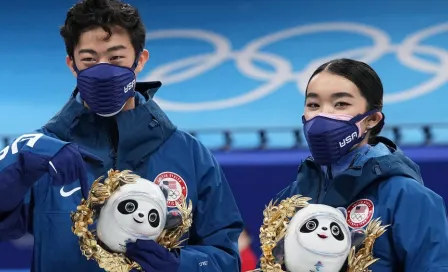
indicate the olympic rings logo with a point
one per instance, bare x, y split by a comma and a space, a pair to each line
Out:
283, 70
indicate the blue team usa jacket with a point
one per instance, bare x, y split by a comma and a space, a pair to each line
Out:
150, 145
379, 181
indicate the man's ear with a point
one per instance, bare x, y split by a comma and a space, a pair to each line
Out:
70, 63
142, 59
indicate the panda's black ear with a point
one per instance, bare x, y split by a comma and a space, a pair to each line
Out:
164, 191
279, 251
343, 211
173, 219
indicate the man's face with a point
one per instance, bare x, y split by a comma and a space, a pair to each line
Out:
94, 48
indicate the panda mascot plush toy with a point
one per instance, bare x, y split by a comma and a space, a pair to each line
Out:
135, 211
318, 239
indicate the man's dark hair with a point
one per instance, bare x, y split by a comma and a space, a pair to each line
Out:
89, 14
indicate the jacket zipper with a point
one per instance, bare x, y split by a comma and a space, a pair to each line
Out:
319, 190
328, 180
114, 158
113, 139
331, 183
318, 193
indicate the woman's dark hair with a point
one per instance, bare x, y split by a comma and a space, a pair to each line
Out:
365, 78
89, 14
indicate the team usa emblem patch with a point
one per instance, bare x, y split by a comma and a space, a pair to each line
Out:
360, 213
177, 188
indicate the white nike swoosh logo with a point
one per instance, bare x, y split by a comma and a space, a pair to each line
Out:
69, 193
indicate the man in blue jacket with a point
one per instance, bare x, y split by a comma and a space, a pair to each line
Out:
111, 121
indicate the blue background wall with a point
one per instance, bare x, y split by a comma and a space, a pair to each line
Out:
224, 63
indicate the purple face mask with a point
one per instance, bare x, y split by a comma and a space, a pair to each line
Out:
106, 87
331, 136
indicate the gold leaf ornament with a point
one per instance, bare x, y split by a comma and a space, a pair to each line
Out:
88, 211
273, 230
361, 260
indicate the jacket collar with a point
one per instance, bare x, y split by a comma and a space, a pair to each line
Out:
140, 131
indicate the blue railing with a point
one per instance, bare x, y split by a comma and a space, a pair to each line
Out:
292, 138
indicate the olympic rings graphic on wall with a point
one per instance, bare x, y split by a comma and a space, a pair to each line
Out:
283, 70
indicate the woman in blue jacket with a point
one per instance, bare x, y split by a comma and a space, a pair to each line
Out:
368, 175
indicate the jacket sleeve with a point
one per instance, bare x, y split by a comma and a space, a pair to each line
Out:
420, 230
16, 185
217, 223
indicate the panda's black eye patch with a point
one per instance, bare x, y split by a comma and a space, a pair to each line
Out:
336, 231
309, 226
153, 218
127, 206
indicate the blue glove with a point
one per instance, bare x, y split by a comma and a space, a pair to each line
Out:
65, 166
152, 256
68, 165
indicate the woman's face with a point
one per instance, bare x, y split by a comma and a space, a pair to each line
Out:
329, 93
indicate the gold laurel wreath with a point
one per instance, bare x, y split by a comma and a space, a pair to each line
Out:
88, 210
361, 260
275, 224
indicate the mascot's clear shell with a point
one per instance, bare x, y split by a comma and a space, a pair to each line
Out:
317, 239
135, 211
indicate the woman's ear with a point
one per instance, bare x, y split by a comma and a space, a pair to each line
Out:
374, 119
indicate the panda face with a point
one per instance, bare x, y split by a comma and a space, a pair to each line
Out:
138, 215
324, 234
130, 206
313, 224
